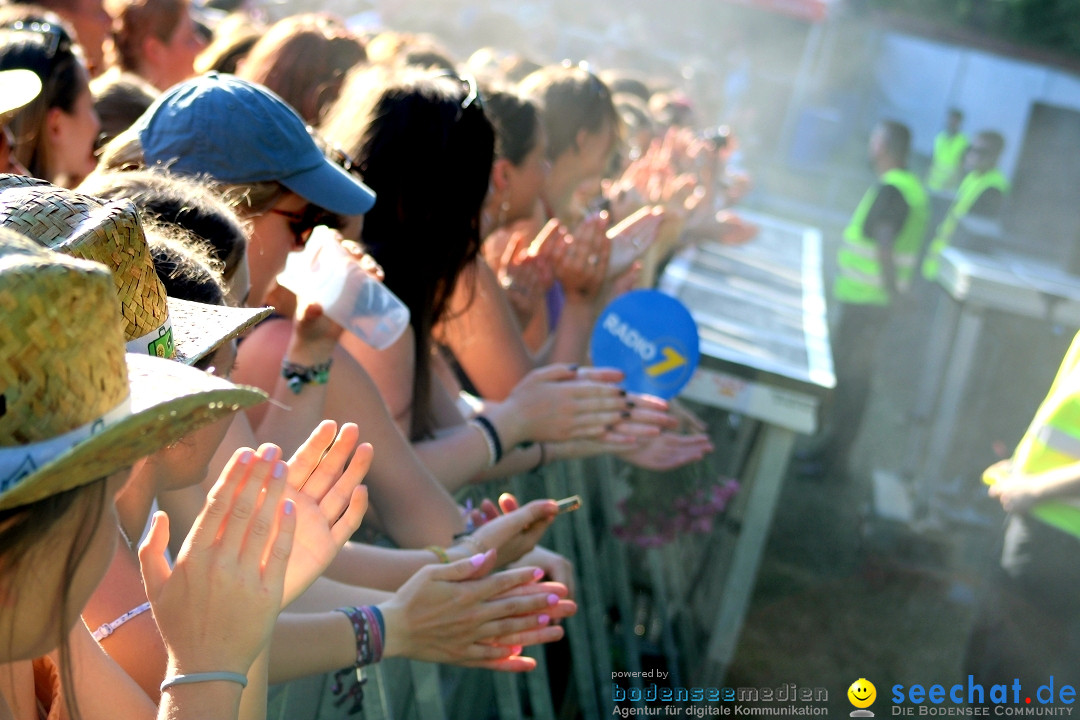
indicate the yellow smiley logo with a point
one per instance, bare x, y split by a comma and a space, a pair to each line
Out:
862, 693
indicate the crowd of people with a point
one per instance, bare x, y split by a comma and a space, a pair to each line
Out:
183, 441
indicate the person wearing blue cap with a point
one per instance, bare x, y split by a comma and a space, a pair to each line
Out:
248, 141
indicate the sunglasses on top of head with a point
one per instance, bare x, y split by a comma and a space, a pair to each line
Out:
54, 36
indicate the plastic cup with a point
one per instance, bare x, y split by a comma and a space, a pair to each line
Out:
327, 274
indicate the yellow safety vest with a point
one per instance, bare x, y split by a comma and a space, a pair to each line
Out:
948, 155
859, 278
1053, 440
970, 191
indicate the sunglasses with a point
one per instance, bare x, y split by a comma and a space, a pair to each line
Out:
302, 223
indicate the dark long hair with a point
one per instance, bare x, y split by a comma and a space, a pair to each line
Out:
425, 147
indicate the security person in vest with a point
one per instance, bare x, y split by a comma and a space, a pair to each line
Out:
1028, 624
875, 264
981, 194
947, 162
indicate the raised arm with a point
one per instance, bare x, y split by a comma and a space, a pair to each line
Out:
410, 505
486, 339
217, 606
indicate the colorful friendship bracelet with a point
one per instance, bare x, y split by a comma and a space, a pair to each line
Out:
297, 376
370, 629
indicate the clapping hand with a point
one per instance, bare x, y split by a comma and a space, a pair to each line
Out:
217, 606
329, 499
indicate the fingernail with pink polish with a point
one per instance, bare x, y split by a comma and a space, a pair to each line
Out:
515, 650
290, 507
553, 599
478, 559
245, 457
538, 573
279, 470
543, 619
271, 453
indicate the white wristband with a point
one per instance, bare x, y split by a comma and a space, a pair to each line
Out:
204, 677
109, 628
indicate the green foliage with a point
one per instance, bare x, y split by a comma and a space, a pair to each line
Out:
1047, 24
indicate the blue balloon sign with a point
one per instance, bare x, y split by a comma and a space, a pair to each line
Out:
652, 338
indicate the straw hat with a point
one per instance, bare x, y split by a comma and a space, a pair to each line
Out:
74, 407
111, 233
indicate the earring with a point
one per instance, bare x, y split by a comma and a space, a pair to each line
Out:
504, 208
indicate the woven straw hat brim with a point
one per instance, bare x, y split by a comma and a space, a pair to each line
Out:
112, 234
200, 329
168, 401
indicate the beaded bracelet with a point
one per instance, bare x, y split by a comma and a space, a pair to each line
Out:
369, 627
109, 628
297, 376
204, 677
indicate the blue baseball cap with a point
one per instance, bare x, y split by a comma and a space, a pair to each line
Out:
235, 131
